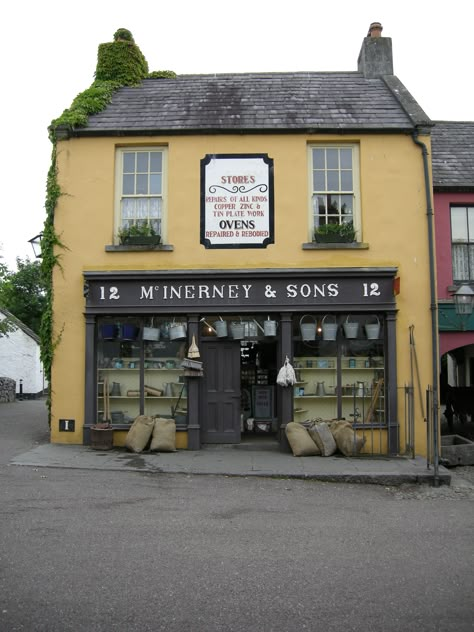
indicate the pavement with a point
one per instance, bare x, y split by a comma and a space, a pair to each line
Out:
246, 459
25, 442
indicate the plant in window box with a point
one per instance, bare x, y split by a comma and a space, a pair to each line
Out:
139, 234
335, 233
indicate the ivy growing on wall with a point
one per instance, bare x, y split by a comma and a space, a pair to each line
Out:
119, 63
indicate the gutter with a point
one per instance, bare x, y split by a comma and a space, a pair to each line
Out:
434, 323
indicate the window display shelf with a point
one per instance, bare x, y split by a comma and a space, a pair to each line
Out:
313, 396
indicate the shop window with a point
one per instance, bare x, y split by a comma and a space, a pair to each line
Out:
339, 362
334, 192
139, 369
140, 192
462, 246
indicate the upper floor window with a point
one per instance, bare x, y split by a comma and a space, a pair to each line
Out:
462, 247
334, 185
140, 185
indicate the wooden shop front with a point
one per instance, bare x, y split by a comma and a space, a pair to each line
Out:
337, 326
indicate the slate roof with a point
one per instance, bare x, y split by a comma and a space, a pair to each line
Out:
259, 102
452, 148
19, 324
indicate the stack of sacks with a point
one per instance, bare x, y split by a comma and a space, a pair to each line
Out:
161, 433
323, 438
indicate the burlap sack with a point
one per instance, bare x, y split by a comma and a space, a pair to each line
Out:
139, 433
322, 437
346, 439
300, 442
164, 435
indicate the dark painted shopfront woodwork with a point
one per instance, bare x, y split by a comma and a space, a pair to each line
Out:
213, 401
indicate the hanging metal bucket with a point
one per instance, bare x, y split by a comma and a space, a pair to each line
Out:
177, 331
151, 333
237, 330
108, 332
329, 329
350, 329
221, 328
129, 332
308, 330
251, 329
372, 330
270, 327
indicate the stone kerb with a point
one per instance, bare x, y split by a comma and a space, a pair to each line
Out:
7, 390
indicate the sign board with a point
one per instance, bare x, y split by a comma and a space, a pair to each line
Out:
237, 203
272, 291
67, 425
263, 401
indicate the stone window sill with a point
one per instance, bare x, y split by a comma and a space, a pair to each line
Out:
312, 245
136, 248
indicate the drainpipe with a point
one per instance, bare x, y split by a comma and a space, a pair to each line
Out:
434, 323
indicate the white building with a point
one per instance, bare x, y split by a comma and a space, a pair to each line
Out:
20, 358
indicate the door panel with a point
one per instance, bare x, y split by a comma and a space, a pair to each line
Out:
220, 392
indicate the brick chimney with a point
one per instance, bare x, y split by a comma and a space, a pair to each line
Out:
375, 57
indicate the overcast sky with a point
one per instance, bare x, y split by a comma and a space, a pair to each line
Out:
49, 54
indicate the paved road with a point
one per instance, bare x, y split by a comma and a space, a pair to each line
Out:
100, 551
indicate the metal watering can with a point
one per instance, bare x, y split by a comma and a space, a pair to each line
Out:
177, 331
269, 327
211, 328
221, 328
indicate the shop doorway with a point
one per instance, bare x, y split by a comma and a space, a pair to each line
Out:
220, 394
258, 361
238, 393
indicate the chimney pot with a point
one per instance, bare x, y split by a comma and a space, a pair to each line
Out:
375, 30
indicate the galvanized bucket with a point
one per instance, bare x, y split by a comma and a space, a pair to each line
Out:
177, 331
129, 332
251, 329
350, 329
221, 328
151, 333
270, 327
108, 332
372, 330
329, 329
237, 330
308, 330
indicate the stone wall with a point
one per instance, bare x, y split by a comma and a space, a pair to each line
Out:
7, 389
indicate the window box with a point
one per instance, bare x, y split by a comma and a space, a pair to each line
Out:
343, 233
141, 240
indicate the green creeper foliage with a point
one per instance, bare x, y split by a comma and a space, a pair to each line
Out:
119, 63
162, 74
123, 34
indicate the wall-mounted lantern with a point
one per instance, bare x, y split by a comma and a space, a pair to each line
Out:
36, 244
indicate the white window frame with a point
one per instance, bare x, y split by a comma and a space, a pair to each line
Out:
462, 237
354, 192
119, 196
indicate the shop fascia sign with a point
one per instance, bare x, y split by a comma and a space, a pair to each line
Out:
233, 294
237, 202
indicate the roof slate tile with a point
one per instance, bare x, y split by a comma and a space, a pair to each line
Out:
452, 146
258, 102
